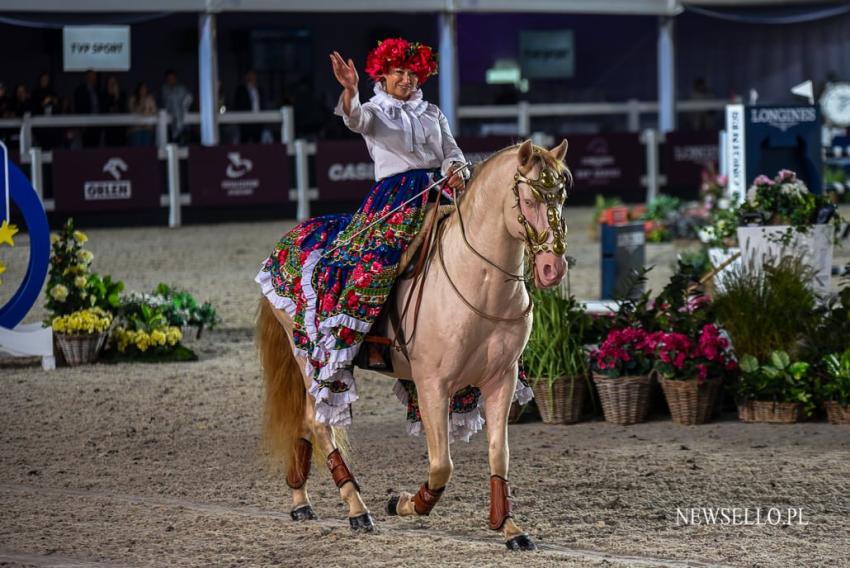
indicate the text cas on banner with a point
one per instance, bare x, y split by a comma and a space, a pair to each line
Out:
250, 174
110, 179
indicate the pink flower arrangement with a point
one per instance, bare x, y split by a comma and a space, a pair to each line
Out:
679, 357
625, 351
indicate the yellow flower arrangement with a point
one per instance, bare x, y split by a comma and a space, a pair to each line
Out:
85, 256
90, 321
80, 281
80, 237
7, 231
142, 340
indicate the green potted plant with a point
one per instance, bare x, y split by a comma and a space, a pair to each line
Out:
555, 358
768, 313
778, 390
182, 310
835, 391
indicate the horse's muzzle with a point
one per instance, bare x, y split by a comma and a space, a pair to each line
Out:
549, 269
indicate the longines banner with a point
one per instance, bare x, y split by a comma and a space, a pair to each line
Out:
250, 174
685, 155
109, 179
345, 171
610, 164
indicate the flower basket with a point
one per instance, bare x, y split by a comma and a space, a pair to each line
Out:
563, 402
625, 400
837, 414
770, 411
81, 349
190, 334
689, 402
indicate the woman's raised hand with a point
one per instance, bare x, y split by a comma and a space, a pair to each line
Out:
344, 72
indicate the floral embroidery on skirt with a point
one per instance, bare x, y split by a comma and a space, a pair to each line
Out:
335, 296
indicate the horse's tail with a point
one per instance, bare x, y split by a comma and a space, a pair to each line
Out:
285, 398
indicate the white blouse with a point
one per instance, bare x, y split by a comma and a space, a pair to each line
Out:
402, 135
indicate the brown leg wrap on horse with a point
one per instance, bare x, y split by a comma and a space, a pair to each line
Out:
299, 469
425, 499
340, 471
500, 503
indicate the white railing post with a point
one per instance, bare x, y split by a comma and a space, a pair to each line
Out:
161, 128
523, 119
301, 180
650, 139
287, 125
173, 168
36, 172
25, 140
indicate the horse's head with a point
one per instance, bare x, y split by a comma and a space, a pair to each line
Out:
540, 188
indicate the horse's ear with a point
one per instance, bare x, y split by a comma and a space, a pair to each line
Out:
526, 150
559, 152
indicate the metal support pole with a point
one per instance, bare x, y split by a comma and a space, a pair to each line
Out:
25, 140
666, 76
523, 119
37, 173
448, 77
650, 139
634, 115
301, 180
161, 128
208, 79
173, 168
287, 125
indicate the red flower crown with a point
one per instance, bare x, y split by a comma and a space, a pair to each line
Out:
400, 53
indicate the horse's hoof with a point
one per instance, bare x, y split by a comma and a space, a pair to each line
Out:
521, 542
362, 523
392, 506
303, 513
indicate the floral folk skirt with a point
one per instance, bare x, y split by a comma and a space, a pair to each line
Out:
333, 276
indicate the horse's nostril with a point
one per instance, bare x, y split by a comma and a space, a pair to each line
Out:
547, 271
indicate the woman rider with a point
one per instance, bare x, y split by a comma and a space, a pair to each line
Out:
334, 293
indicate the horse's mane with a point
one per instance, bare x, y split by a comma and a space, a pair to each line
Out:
539, 156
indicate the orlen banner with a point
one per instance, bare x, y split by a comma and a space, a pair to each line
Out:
684, 157
250, 174
109, 179
345, 171
609, 164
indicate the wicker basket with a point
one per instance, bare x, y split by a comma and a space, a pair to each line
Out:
837, 414
81, 349
770, 411
625, 400
190, 334
562, 404
689, 402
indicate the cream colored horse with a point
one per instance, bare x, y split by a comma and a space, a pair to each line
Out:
473, 326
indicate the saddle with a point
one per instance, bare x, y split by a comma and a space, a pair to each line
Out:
375, 353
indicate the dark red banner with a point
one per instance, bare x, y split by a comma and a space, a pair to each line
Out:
108, 179
684, 156
609, 164
345, 171
249, 174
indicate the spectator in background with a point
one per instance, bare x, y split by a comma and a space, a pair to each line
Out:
702, 120
6, 110
44, 97
23, 102
115, 102
176, 99
88, 100
249, 98
46, 102
142, 103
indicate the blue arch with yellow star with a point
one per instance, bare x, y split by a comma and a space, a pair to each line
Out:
21, 194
